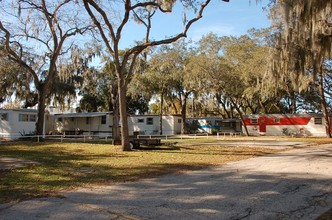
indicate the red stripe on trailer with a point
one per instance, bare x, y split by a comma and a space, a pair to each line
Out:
279, 121
294, 121
264, 121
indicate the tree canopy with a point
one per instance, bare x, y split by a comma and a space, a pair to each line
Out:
42, 60
304, 43
34, 35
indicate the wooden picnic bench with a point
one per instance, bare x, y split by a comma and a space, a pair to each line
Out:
136, 142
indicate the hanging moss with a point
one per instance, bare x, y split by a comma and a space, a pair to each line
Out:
306, 35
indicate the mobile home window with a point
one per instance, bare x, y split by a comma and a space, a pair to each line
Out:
140, 120
87, 120
179, 120
23, 117
318, 121
253, 121
103, 119
27, 117
32, 117
149, 121
4, 116
59, 119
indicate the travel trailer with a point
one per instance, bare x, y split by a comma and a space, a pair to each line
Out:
87, 123
100, 123
213, 125
16, 123
150, 124
286, 124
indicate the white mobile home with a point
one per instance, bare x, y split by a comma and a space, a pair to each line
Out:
15, 123
89, 123
150, 124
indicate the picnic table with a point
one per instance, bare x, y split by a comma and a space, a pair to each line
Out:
136, 142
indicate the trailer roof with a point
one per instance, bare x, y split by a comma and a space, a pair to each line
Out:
82, 115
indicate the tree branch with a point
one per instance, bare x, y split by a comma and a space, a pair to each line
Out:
143, 46
14, 56
87, 4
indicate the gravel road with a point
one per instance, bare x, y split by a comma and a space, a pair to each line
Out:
295, 184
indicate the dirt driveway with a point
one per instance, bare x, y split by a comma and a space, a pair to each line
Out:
295, 184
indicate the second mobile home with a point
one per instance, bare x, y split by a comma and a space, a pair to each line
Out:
150, 124
89, 123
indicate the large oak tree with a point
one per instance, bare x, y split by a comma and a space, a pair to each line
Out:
35, 34
111, 28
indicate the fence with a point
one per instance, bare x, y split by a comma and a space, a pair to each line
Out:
60, 138
108, 138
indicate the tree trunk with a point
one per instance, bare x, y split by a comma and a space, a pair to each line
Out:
116, 116
241, 116
116, 126
161, 113
323, 105
294, 106
183, 114
123, 114
41, 112
224, 108
194, 107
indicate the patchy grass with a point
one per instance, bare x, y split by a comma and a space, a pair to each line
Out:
64, 166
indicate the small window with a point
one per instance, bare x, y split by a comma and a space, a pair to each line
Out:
103, 119
179, 120
276, 120
4, 117
253, 121
318, 121
27, 117
87, 120
149, 121
32, 118
23, 117
140, 120
60, 119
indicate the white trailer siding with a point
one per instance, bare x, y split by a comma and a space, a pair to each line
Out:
288, 124
150, 124
16, 123
90, 123
310, 129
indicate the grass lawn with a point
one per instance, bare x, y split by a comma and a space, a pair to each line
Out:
64, 166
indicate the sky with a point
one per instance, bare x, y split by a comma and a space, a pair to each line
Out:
234, 18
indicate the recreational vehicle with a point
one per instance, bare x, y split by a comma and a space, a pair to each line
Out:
88, 123
100, 123
15, 123
286, 124
151, 124
212, 125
